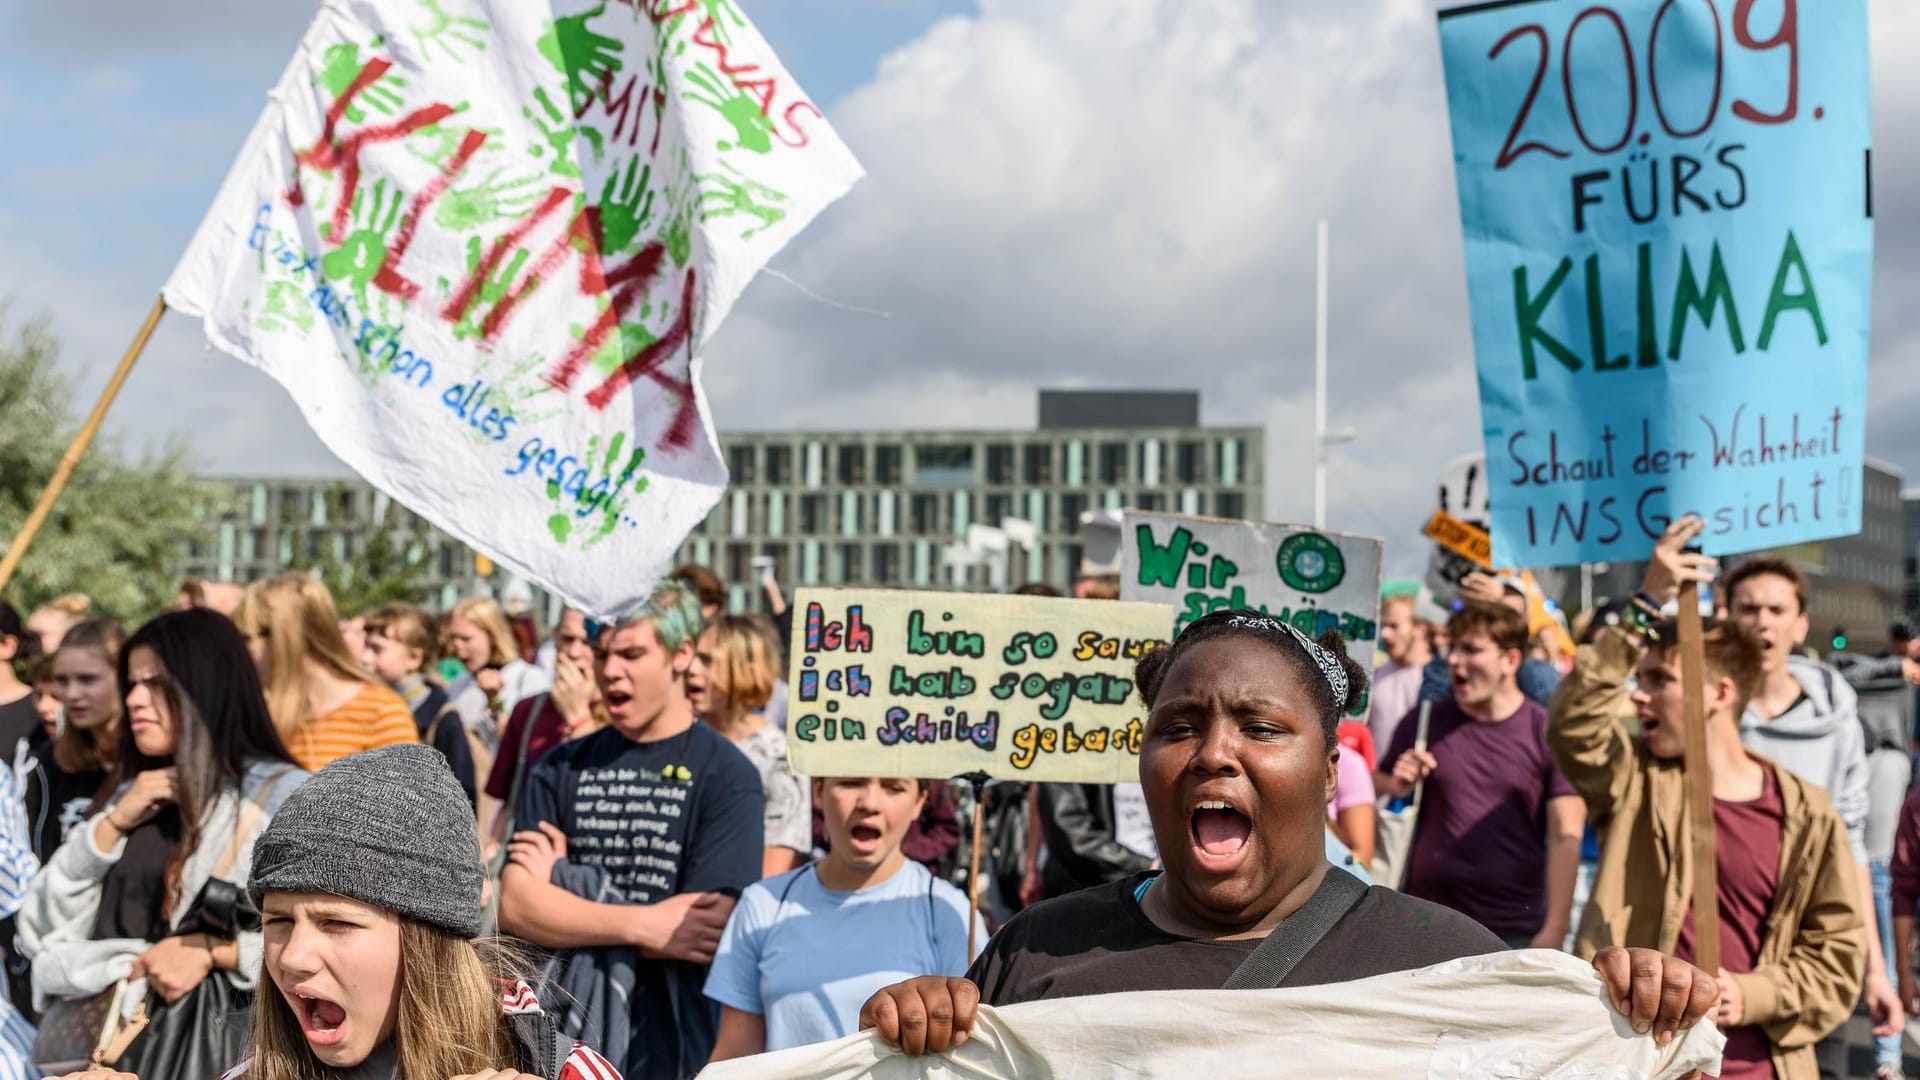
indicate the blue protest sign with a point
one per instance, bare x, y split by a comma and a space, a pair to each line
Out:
1667, 211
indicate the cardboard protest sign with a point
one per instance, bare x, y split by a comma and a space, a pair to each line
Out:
1463, 538
891, 683
1669, 245
1314, 580
480, 242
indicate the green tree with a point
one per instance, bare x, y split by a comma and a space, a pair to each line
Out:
119, 531
384, 567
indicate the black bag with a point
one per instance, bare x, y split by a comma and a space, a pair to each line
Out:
207, 1032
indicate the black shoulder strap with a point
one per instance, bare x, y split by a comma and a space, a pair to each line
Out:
1275, 958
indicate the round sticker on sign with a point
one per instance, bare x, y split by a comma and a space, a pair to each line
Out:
1311, 563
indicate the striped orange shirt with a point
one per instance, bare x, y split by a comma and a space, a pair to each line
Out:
372, 718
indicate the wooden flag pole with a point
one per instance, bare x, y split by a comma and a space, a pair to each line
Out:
1706, 876
979, 782
17, 547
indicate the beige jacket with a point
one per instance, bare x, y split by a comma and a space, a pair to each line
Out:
1813, 954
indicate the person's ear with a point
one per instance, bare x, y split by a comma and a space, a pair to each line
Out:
417, 658
1333, 771
683, 658
9, 647
1721, 694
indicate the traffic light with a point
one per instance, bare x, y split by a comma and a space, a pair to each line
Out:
1839, 639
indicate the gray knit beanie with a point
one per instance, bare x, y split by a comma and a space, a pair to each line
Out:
388, 827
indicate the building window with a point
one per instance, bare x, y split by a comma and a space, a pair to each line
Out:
776, 513
1230, 464
962, 512
1113, 463
740, 462
849, 513
1150, 463
813, 515
780, 464
1230, 504
814, 467
1037, 463
886, 464
943, 465
886, 564
924, 512
998, 507
1000, 464
1190, 462
1071, 507
1190, 502
1150, 500
852, 465
1037, 509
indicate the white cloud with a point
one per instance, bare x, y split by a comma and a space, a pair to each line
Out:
1125, 194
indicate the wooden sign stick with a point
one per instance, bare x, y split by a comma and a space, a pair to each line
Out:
1706, 876
979, 782
17, 547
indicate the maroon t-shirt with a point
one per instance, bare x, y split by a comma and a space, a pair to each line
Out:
549, 731
1481, 844
1746, 841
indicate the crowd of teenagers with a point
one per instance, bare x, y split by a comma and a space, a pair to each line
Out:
315, 844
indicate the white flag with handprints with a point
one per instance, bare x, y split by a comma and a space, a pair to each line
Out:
481, 243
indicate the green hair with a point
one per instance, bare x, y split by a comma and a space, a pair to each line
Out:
674, 609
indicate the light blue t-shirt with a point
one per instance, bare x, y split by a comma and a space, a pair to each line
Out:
809, 961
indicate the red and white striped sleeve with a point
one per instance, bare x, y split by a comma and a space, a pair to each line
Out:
585, 1063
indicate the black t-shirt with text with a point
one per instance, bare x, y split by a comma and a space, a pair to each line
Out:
1098, 941
646, 821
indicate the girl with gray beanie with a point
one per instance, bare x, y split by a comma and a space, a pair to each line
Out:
369, 882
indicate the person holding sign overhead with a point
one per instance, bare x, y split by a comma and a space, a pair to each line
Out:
1793, 945
1237, 764
784, 973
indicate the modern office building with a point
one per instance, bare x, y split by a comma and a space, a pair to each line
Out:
259, 527
826, 508
889, 508
1910, 544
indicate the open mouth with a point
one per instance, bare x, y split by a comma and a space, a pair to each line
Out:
321, 1019
865, 838
1219, 830
617, 700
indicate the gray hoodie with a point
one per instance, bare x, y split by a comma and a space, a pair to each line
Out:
1819, 740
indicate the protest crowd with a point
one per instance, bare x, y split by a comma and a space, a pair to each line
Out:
282, 809
1225, 805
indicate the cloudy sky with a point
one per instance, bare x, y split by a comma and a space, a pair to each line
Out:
1061, 192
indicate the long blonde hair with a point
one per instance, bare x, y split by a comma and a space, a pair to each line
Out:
743, 662
296, 617
450, 1020
484, 612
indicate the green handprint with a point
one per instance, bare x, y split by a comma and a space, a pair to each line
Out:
598, 496
737, 195
492, 199
360, 254
586, 58
560, 135
287, 309
436, 143
626, 340
450, 32
491, 291
752, 130
624, 212
341, 64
